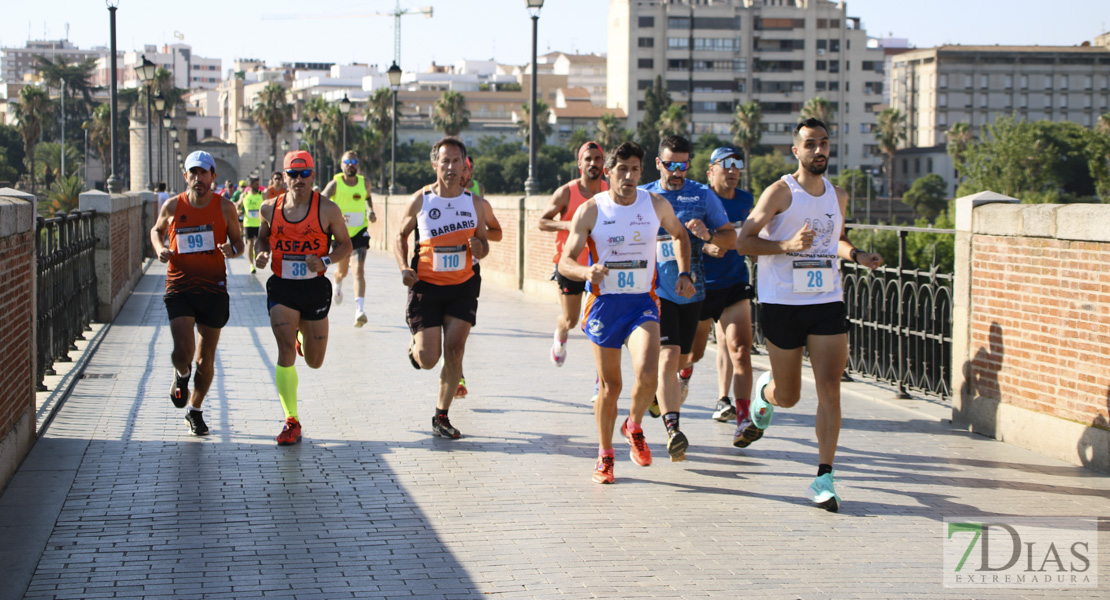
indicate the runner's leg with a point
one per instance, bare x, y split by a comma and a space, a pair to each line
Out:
455, 332
206, 364
828, 354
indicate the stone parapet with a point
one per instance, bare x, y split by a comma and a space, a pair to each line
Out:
17, 304
122, 227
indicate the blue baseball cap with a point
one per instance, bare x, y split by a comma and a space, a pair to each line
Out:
201, 159
725, 152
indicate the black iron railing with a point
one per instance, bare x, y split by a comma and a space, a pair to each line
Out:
900, 320
66, 271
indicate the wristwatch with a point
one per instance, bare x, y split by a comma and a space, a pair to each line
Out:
326, 260
853, 253
686, 273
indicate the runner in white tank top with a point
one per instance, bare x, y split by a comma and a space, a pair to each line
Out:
797, 230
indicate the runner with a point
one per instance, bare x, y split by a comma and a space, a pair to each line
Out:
567, 199
797, 231
202, 229
250, 203
450, 229
351, 192
699, 209
277, 185
619, 226
470, 184
295, 229
727, 294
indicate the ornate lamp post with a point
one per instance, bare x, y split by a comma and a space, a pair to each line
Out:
159, 106
315, 126
530, 187
344, 109
394, 83
145, 72
114, 183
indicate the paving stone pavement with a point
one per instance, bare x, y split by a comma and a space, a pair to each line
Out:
117, 500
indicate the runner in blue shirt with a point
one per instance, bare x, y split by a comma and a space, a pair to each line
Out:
699, 209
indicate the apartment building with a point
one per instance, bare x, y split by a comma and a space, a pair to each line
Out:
190, 72
716, 54
16, 63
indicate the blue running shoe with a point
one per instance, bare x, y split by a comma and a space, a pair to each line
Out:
762, 410
823, 493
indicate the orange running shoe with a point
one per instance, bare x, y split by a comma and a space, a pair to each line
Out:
639, 452
290, 433
603, 472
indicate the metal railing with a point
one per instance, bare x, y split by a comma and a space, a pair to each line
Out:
900, 320
66, 272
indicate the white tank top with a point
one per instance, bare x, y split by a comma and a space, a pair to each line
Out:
443, 230
813, 276
623, 239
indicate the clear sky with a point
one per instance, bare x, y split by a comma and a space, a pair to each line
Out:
483, 29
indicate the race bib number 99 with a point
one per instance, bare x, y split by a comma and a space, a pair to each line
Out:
195, 239
813, 276
448, 258
293, 266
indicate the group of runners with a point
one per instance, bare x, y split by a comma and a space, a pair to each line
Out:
659, 266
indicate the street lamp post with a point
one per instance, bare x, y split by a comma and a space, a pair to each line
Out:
114, 184
176, 147
159, 107
530, 187
394, 82
145, 71
344, 109
315, 126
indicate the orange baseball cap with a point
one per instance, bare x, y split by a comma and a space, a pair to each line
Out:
298, 159
589, 146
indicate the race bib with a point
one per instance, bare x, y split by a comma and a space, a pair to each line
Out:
626, 277
354, 219
195, 239
448, 258
813, 276
664, 249
293, 266
252, 214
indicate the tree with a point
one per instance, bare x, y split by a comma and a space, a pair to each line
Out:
1098, 156
610, 134
34, 108
767, 169
927, 196
543, 124
747, 124
65, 193
48, 160
272, 112
77, 90
959, 137
673, 121
890, 133
818, 108
99, 127
379, 119
656, 100
11, 154
576, 138
449, 114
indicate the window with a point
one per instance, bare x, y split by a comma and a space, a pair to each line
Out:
834, 45
982, 100
834, 86
822, 65
1063, 82
678, 23
647, 22
967, 81
942, 100
984, 81
917, 166
1008, 81
646, 63
821, 86
646, 42
643, 84
1088, 82
1048, 82
678, 43
1063, 101
1086, 102
928, 164
1024, 82
942, 119
942, 81
834, 66
1023, 101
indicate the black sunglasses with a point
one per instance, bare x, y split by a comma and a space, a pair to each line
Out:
302, 173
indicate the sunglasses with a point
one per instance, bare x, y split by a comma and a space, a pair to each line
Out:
674, 165
731, 163
350, 161
302, 173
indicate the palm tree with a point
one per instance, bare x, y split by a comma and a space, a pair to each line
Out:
747, 130
379, 119
818, 108
73, 79
449, 114
576, 138
273, 113
99, 127
890, 133
34, 107
959, 138
610, 134
543, 124
672, 121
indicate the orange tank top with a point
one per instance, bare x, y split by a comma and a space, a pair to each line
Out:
576, 200
292, 242
197, 264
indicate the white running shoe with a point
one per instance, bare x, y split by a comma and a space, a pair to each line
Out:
360, 318
558, 353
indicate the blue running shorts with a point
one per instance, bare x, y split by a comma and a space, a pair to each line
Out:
609, 319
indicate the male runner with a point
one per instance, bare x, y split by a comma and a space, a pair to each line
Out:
277, 185
620, 226
351, 192
450, 229
567, 199
294, 231
469, 184
797, 230
493, 234
250, 203
202, 230
699, 209
727, 294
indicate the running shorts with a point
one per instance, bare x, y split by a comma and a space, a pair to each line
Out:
787, 326
310, 297
429, 303
207, 308
678, 324
716, 301
569, 287
609, 319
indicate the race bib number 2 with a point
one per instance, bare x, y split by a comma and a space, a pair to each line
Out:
195, 239
813, 276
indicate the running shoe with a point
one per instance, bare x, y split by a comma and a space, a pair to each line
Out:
360, 318
441, 426
597, 390
179, 390
252, 269
677, 445
300, 342
338, 294
824, 494
195, 420
653, 408
639, 451
684, 376
603, 472
746, 433
412, 359
460, 392
290, 432
762, 410
558, 353
724, 412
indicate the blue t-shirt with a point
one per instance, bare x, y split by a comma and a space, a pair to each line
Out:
693, 201
730, 269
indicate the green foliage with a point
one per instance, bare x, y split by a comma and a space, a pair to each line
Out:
890, 133
818, 108
1098, 157
927, 196
656, 101
543, 123
64, 194
747, 129
450, 114
576, 138
923, 249
11, 154
610, 134
411, 176
767, 169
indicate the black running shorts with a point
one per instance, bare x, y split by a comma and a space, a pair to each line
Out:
787, 326
250, 233
310, 297
569, 287
678, 324
429, 303
210, 309
716, 301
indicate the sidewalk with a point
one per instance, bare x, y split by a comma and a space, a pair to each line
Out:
118, 500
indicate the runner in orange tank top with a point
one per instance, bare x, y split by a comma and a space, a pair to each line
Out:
567, 199
450, 229
294, 231
202, 229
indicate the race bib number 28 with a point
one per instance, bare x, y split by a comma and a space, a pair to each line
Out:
814, 276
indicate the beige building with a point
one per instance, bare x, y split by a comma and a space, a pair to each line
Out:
779, 53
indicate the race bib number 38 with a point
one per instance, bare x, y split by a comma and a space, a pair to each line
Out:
814, 276
195, 239
293, 266
448, 258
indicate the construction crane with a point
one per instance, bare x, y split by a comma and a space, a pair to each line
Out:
397, 13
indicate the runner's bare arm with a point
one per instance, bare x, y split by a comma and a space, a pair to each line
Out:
401, 239
234, 246
333, 223
329, 190
493, 226
667, 220
584, 220
262, 243
369, 201
559, 203
479, 242
775, 199
162, 228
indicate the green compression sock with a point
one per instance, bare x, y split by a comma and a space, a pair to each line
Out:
286, 378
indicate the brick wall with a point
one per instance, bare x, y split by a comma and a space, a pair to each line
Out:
17, 304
